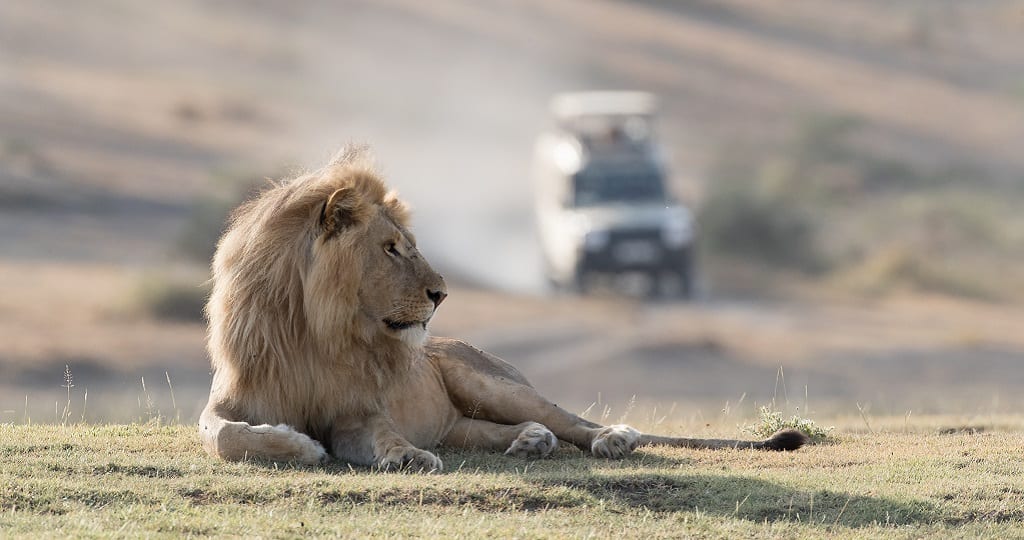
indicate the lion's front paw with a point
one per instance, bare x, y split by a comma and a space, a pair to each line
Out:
409, 459
535, 441
615, 442
300, 446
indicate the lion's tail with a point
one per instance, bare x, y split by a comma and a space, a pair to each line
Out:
786, 439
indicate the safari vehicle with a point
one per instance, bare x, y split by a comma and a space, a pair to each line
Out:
603, 208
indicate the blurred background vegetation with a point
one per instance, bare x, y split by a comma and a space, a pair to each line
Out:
824, 209
855, 166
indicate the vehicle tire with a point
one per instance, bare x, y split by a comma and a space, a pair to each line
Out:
583, 281
686, 285
679, 282
685, 275
655, 285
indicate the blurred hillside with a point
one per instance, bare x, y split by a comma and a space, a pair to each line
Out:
856, 152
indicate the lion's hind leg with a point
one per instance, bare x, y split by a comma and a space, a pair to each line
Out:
485, 387
235, 441
526, 440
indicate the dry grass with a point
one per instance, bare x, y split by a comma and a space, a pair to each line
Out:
151, 480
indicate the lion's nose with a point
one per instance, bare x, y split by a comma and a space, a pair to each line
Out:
436, 297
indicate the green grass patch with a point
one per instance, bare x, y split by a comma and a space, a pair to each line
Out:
155, 481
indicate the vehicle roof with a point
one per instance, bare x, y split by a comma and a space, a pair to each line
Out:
603, 103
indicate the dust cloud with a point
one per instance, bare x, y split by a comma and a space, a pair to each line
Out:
452, 113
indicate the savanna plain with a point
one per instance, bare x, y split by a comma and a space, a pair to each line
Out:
860, 259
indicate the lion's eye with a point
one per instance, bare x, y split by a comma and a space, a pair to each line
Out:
391, 249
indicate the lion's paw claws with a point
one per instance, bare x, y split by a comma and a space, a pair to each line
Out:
534, 441
307, 450
615, 442
408, 459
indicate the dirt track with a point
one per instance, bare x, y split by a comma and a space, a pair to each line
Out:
894, 356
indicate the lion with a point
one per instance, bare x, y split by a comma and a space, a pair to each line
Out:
319, 345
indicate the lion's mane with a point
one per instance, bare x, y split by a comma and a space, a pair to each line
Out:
284, 340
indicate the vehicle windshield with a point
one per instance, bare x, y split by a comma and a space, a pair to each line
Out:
594, 186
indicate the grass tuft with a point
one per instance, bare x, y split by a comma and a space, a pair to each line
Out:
773, 420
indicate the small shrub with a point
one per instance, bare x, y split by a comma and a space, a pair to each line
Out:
902, 268
173, 299
207, 220
209, 214
772, 421
750, 216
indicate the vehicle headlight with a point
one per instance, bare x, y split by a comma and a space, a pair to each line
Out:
677, 230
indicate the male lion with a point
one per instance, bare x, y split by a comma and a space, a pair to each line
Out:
318, 340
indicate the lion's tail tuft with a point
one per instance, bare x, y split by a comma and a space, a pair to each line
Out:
785, 439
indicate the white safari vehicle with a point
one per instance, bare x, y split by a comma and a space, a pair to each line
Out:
602, 206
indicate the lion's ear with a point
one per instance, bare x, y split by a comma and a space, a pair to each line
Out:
341, 211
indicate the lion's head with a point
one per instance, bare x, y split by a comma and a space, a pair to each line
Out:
317, 268
362, 240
